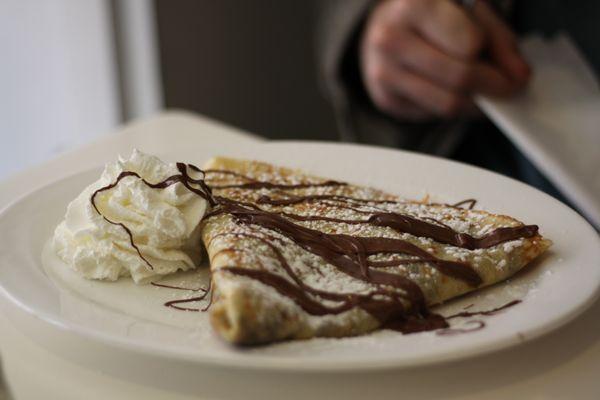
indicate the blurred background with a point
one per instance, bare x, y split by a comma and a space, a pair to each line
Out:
74, 70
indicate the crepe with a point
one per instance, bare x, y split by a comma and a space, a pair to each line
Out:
295, 256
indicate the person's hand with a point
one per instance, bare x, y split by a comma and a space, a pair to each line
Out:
422, 59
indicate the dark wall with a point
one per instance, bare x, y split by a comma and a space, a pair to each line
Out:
250, 63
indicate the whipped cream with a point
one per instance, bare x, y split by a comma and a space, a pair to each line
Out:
164, 224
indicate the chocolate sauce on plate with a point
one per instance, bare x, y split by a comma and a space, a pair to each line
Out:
470, 203
493, 311
476, 325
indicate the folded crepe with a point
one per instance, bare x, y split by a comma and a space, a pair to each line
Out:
295, 256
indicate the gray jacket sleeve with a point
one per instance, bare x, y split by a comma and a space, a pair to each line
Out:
340, 24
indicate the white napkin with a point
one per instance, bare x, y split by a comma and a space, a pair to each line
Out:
556, 120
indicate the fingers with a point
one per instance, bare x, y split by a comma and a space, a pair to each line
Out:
383, 78
448, 27
428, 95
424, 57
502, 44
414, 53
376, 77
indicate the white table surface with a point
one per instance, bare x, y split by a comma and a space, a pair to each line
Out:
562, 365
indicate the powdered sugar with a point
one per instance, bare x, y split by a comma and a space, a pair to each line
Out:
344, 210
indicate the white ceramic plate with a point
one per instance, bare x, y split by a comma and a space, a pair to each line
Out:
554, 290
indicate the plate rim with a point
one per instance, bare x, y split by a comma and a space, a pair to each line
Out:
261, 362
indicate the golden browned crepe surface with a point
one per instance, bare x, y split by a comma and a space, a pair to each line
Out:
295, 256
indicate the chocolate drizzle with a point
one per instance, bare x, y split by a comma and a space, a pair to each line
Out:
396, 300
470, 203
476, 325
438, 232
406, 224
175, 303
254, 184
348, 253
270, 185
444, 234
389, 301
291, 200
183, 178
493, 311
